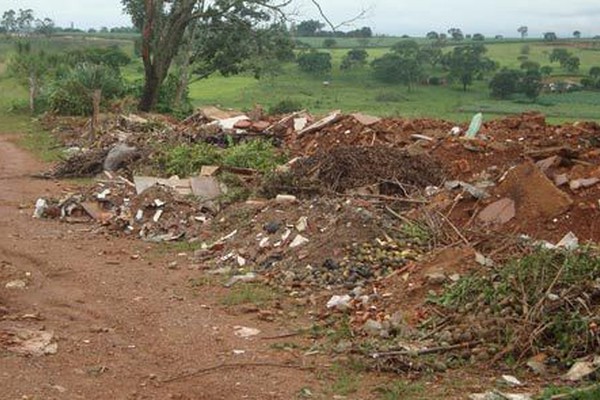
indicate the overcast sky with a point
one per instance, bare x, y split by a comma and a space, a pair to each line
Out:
393, 17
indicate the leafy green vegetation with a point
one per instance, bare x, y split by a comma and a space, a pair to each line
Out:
587, 393
401, 390
187, 160
527, 289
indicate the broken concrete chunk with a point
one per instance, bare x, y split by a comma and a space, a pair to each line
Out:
330, 119
182, 186
229, 123
302, 224
546, 164
583, 183
340, 303
561, 179
206, 187
209, 170
366, 120
484, 261
28, 342
500, 212
298, 241
247, 278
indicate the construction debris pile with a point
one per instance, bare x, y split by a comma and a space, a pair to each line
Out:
370, 217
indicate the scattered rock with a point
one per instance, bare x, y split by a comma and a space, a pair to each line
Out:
16, 285
245, 332
436, 278
28, 342
298, 241
499, 212
537, 364
511, 381
340, 303
372, 328
249, 277
583, 183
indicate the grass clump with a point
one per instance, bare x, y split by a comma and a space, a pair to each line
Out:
248, 294
400, 390
547, 300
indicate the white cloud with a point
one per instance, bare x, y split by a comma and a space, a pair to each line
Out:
386, 16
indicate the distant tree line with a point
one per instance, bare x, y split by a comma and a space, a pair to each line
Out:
314, 28
23, 22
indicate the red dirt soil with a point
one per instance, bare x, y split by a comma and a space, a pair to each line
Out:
123, 325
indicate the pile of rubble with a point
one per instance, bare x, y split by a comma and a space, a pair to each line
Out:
370, 217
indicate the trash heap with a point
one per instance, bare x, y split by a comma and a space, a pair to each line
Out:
404, 225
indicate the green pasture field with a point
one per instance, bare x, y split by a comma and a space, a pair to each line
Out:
356, 90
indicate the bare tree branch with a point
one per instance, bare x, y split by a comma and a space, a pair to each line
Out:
333, 27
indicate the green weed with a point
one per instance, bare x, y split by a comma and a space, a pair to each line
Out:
249, 294
345, 382
401, 390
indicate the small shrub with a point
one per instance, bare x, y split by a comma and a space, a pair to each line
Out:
315, 62
256, 154
186, 160
285, 106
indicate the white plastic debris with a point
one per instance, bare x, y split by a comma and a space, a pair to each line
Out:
157, 215
340, 303
103, 195
298, 241
582, 369
41, 205
569, 242
511, 380
302, 224
455, 131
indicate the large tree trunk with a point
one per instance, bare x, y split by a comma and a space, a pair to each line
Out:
151, 91
159, 48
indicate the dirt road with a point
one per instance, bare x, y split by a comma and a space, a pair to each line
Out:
124, 326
